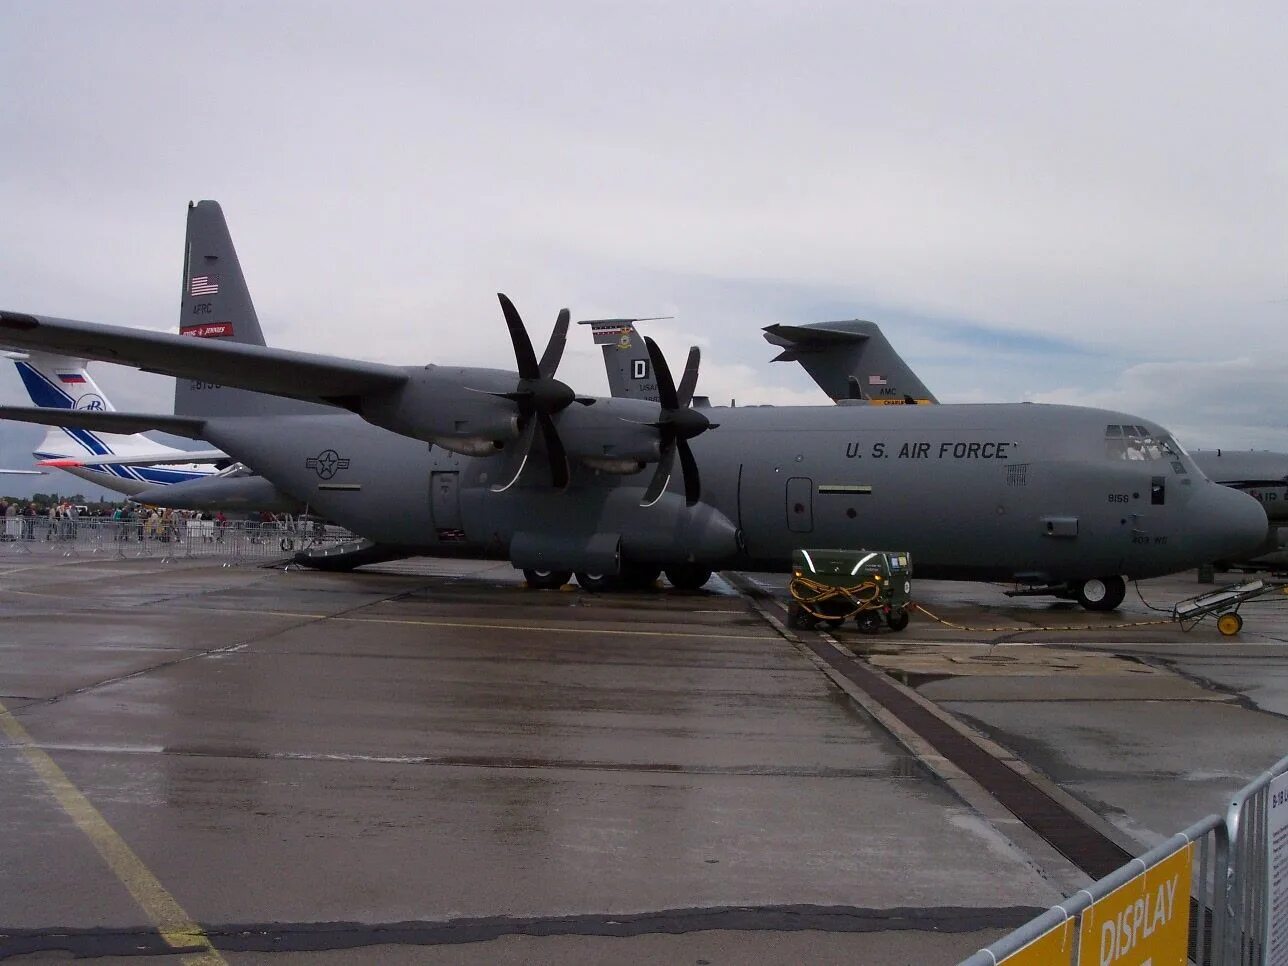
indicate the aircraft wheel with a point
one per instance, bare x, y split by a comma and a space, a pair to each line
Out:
1229, 624
547, 579
868, 621
897, 620
687, 576
834, 622
798, 617
640, 576
594, 582
1101, 593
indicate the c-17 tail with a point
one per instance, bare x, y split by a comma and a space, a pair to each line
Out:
850, 360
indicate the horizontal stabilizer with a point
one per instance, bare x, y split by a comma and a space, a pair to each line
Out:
300, 375
166, 457
105, 422
809, 336
22, 472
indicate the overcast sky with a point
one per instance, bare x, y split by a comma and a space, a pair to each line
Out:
1081, 202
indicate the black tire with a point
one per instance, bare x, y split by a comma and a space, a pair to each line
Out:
595, 582
834, 622
688, 576
897, 620
640, 576
547, 579
868, 622
799, 618
1101, 593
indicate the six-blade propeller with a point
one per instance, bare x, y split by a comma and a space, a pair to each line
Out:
678, 423
539, 396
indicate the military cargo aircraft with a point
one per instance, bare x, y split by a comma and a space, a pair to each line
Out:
520, 466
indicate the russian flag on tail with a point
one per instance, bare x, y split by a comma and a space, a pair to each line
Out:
72, 378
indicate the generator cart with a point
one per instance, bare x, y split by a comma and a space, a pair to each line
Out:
831, 586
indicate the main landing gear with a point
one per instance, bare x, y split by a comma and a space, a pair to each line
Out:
632, 577
547, 579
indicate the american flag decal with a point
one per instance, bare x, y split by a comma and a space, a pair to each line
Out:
876, 380
204, 285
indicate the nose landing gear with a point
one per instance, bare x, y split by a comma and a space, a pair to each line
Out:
1100, 593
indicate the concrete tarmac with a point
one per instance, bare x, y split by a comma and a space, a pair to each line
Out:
430, 763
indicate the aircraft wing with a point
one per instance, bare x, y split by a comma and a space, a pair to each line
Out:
105, 422
159, 458
281, 372
22, 472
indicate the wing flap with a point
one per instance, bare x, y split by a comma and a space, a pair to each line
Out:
281, 372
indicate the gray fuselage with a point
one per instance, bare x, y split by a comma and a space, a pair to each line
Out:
1001, 492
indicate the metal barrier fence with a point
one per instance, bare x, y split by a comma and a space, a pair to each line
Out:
233, 542
1226, 859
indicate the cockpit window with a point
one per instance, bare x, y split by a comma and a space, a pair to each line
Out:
1129, 442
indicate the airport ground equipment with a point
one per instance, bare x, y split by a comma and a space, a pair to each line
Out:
1224, 604
831, 586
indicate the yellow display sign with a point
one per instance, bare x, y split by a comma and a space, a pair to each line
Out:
1053, 948
1143, 923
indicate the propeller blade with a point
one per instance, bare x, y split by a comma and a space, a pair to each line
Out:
661, 477
522, 450
523, 354
689, 381
689, 467
555, 450
555, 347
662, 373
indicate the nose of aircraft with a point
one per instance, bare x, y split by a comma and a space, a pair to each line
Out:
1228, 525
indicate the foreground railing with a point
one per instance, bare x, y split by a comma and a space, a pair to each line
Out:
233, 542
1215, 894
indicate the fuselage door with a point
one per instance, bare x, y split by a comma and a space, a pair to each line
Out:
444, 503
800, 504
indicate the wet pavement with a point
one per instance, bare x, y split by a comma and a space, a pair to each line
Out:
430, 763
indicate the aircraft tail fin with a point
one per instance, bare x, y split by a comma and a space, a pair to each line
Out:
626, 358
62, 385
850, 360
216, 304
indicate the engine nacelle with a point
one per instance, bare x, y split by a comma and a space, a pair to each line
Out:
459, 409
616, 467
469, 445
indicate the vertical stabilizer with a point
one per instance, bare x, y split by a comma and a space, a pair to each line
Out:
626, 359
850, 360
62, 382
216, 304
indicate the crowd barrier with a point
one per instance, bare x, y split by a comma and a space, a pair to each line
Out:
1215, 894
235, 541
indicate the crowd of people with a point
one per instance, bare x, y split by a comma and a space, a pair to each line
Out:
31, 520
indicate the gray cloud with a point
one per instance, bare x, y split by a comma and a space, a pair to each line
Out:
1110, 178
